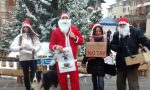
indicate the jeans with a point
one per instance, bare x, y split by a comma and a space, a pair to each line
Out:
98, 82
29, 69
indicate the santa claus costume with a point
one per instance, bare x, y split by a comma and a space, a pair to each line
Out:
126, 43
66, 32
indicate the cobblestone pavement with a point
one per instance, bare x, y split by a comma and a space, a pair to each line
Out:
85, 83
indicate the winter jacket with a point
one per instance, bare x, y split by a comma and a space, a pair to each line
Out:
96, 65
59, 38
24, 53
132, 41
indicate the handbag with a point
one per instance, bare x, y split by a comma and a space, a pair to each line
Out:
82, 69
110, 66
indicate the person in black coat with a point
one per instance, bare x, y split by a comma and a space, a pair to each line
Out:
96, 65
126, 42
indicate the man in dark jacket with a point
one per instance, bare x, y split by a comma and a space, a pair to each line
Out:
126, 42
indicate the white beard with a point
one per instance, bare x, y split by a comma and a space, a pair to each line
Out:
124, 31
64, 25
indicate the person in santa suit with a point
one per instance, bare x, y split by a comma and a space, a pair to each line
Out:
126, 42
66, 32
27, 44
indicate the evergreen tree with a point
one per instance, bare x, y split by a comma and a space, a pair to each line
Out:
44, 15
84, 13
7, 34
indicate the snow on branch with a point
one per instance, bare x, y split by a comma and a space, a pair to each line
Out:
46, 2
30, 15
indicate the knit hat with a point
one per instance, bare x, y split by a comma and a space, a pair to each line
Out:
123, 20
28, 23
64, 15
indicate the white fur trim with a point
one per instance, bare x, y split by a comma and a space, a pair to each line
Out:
64, 15
96, 26
77, 39
29, 27
54, 47
122, 22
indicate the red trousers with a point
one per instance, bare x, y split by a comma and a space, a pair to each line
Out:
74, 79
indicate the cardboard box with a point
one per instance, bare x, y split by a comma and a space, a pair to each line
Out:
135, 59
96, 49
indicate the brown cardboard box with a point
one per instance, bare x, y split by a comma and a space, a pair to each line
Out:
96, 49
137, 59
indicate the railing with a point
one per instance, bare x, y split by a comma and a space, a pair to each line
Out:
11, 67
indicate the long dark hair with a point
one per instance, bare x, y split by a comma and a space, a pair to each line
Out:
100, 37
30, 34
94, 30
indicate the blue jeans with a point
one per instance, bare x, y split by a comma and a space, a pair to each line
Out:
98, 82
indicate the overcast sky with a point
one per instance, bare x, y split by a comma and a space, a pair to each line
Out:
106, 5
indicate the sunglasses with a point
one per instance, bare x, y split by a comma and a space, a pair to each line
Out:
122, 24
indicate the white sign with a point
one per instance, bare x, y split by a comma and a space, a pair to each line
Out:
66, 61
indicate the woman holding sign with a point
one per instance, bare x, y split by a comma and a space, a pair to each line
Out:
96, 65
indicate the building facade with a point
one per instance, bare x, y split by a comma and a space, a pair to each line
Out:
6, 8
128, 8
122, 8
135, 10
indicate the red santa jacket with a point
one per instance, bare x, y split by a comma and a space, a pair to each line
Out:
58, 38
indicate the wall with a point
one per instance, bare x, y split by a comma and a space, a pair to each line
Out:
148, 25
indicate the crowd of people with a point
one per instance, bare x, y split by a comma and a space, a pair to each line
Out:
64, 41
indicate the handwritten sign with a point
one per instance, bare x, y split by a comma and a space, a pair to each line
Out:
96, 49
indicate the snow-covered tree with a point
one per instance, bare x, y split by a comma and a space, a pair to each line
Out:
44, 15
7, 34
84, 13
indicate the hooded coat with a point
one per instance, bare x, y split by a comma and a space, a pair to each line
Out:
24, 40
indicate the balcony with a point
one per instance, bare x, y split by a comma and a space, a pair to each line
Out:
144, 3
143, 7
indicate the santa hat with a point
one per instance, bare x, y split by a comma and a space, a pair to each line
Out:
123, 20
64, 15
28, 23
95, 25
